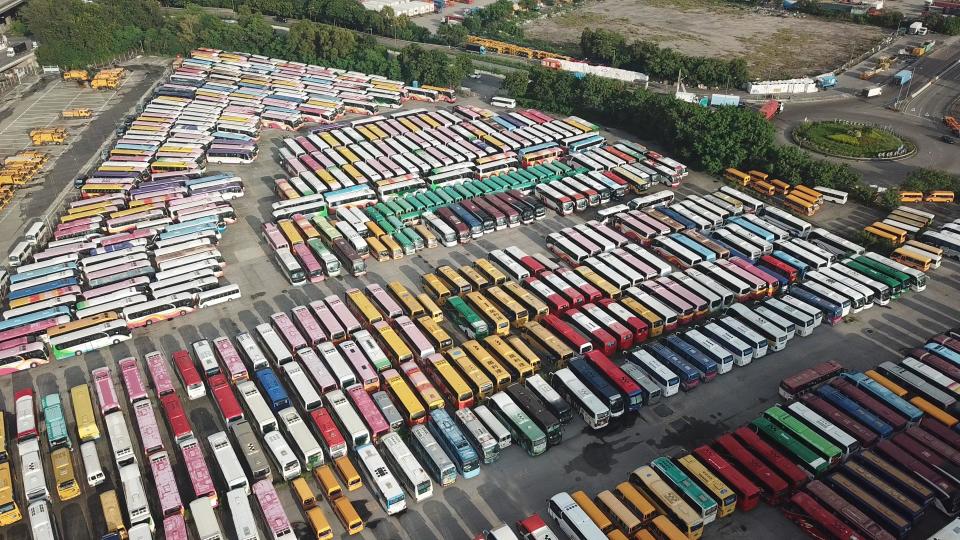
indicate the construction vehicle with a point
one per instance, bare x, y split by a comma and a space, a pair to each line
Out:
79, 75
41, 136
108, 79
78, 112
953, 124
490, 45
21, 168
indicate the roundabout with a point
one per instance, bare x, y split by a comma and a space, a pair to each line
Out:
852, 140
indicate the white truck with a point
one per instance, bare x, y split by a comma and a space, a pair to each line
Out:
872, 92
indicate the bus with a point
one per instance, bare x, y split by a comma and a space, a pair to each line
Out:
54, 422
432, 456
800, 453
819, 444
382, 482
573, 520
271, 512
466, 318
843, 440
408, 470
694, 495
667, 501
725, 497
410, 406
523, 431
536, 411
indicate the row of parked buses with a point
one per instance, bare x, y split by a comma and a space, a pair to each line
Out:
946, 238
799, 199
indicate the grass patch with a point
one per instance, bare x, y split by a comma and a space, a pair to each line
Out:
848, 140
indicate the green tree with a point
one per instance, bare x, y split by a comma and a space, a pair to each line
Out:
515, 83
454, 35
931, 179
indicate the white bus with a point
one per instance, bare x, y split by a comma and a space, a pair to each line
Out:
830, 256
428, 450
834, 243
406, 468
226, 457
588, 405
205, 520
746, 334
833, 195
120, 439
714, 300
500, 432
713, 350
34, 481
273, 345
506, 103
868, 293
856, 300
736, 242
347, 419
513, 269
244, 523
254, 355
652, 260
661, 375
675, 253
742, 352
776, 337
750, 204
282, 455
302, 389
574, 522
257, 407
134, 496
764, 246
726, 296
479, 436
337, 364
798, 252
42, 525
777, 232
788, 221
304, 444
380, 481
825, 428
804, 321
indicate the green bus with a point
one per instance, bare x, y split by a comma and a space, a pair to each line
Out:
466, 318
918, 279
896, 286
502, 181
405, 244
418, 206
903, 279
405, 207
490, 186
328, 233
373, 212
55, 422
798, 429
473, 187
538, 171
463, 191
395, 222
446, 195
523, 431
806, 457
386, 226
412, 237
435, 200
689, 490
394, 209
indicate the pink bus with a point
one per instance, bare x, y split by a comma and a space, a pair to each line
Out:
685, 309
636, 229
318, 370
700, 305
772, 284
174, 528
166, 485
642, 267
148, 428
15, 342
308, 325
271, 510
230, 359
285, 327
132, 380
139, 283
758, 286
411, 333
368, 410
70, 249
33, 328
332, 327
273, 236
198, 471
387, 305
366, 375
97, 200
76, 231
106, 394
157, 365
310, 263
144, 235
349, 323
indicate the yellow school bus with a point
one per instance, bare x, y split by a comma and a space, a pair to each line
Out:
379, 251
479, 382
83, 413
725, 497
621, 516
637, 503
438, 337
608, 289
499, 321
111, 513
433, 285
476, 279
63, 477
410, 405
543, 338
497, 373
411, 306
596, 516
362, 307
9, 511
654, 321
525, 351
508, 306
431, 308
536, 308
492, 273
456, 283
509, 358
396, 349
392, 246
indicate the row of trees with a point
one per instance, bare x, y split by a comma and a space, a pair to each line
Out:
708, 139
884, 19
73, 33
942, 24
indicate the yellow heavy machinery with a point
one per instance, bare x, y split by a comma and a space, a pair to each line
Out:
883, 64
108, 79
79, 112
42, 136
79, 75
21, 168
481, 45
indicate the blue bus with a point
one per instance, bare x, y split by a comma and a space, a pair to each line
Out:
272, 389
34, 317
54, 420
691, 354
689, 376
858, 413
877, 390
944, 352
203, 227
689, 243
40, 272
536, 148
474, 224
833, 311
454, 443
751, 227
595, 381
674, 215
43, 287
796, 263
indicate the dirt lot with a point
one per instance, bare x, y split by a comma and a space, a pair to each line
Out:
775, 46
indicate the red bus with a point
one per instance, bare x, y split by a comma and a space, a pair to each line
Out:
150, 438
291, 336
230, 359
198, 472
864, 435
748, 494
554, 301
566, 290
870, 403
189, 376
774, 486
853, 515
779, 267
640, 329
226, 400
632, 394
606, 321
308, 325
600, 338
157, 365
579, 343
932, 442
772, 457
330, 438
808, 379
940, 430
590, 293
808, 513
532, 265
685, 310
176, 418
369, 411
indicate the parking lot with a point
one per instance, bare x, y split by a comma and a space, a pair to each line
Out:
517, 485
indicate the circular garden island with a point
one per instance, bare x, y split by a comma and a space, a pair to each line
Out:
852, 140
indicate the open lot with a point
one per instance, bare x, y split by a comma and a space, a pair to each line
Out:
774, 45
517, 485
